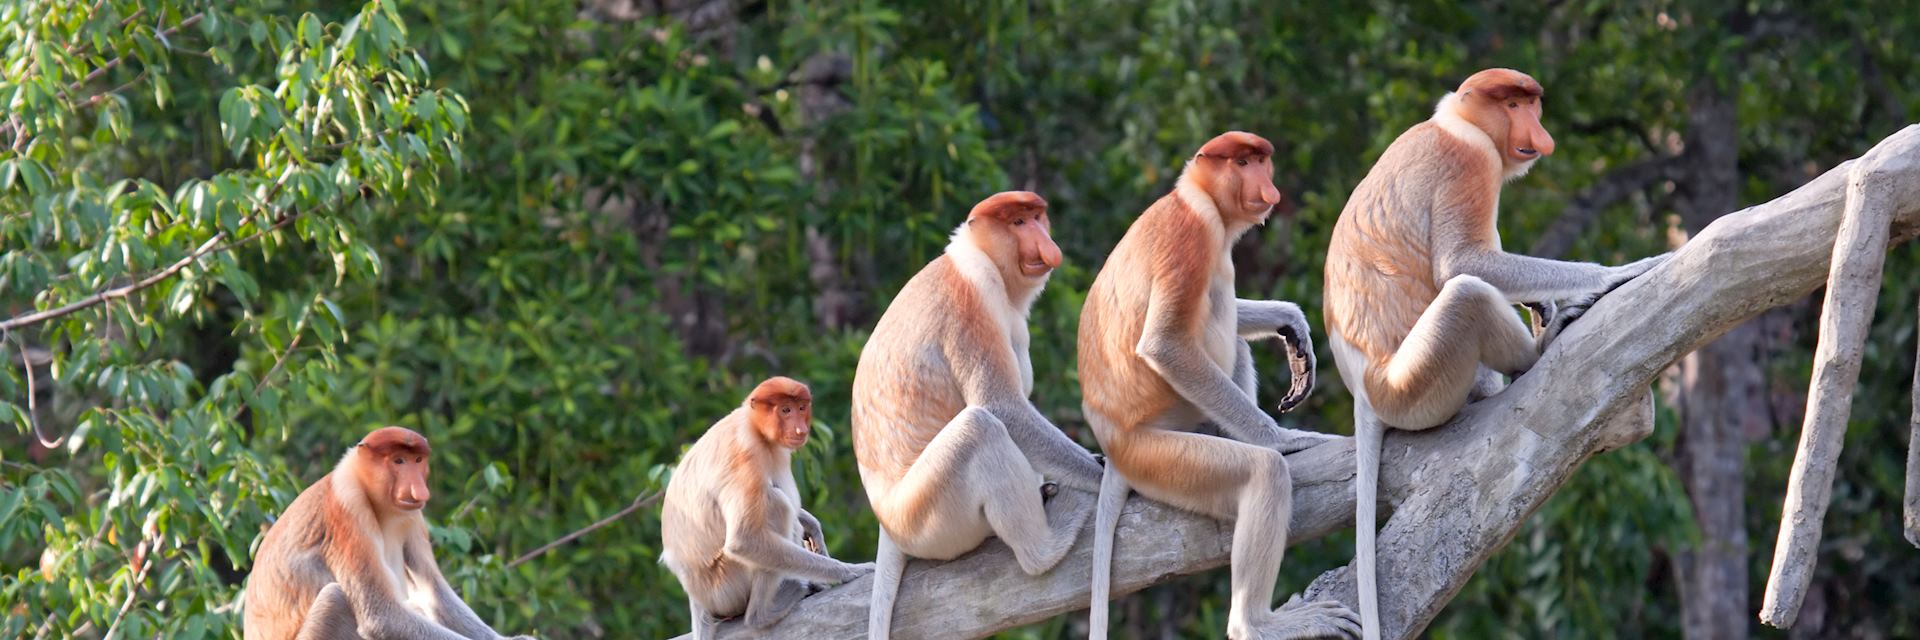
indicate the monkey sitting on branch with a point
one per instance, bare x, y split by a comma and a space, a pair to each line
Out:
1418, 291
950, 449
350, 557
1168, 383
731, 523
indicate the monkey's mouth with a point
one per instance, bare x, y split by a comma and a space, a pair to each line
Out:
409, 504
1033, 268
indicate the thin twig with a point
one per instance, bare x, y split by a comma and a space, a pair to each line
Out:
277, 362
133, 589
639, 502
109, 65
211, 245
33, 403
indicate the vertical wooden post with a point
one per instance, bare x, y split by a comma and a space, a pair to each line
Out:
1911, 513
1853, 283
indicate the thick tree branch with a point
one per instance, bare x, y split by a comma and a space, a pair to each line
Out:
1462, 490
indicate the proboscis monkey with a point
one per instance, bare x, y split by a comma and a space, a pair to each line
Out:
1165, 365
731, 523
1419, 294
951, 451
350, 557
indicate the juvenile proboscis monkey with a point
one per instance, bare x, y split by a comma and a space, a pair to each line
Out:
1165, 365
951, 450
731, 524
350, 557
1419, 294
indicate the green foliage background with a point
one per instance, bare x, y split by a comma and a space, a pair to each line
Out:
561, 242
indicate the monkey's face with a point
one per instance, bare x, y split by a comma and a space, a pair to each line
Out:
1012, 227
1507, 105
1527, 140
784, 420
1249, 186
1033, 235
782, 412
392, 468
1236, 169
409, 476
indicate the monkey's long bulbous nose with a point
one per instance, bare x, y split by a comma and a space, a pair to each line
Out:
415, 495
1050, 254
1542, 143
1269, 195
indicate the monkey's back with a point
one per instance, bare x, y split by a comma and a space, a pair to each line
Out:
904, 390
693, 529
1379, 270
1118, 386
290, 569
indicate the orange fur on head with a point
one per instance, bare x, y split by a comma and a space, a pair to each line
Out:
782, 411
1235, 169
1016, 226
391, 464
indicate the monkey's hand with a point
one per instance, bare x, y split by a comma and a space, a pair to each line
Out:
1560, 315
811, 536
854, 571
1294, 440
1300, 363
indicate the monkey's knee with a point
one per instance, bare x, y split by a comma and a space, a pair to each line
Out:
330, 617
1269, 475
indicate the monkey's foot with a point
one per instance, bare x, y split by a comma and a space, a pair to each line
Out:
1298, 619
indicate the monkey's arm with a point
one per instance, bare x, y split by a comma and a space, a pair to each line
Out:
377, 609
1168, 346
1261, 319
1526, 279
448, 608
1466, 243
751, 541
1270, 318
988, 379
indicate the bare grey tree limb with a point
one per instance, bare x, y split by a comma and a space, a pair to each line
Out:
1462, 490
1875, 184
1912, 507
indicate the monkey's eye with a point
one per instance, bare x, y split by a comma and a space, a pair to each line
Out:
1019, 222
1240, 161
399, 460
786, 410
1513, 105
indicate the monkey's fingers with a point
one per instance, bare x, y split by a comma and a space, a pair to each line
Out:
1542, 314
1300, 363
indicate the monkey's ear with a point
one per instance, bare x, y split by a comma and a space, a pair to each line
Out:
1008, 204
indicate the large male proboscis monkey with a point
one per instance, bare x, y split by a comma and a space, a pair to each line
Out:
731, 524
350, 557
1419, 294
1165, 364
950, 449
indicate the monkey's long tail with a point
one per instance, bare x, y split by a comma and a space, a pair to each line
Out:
1368, 433
1106, 518
889, 562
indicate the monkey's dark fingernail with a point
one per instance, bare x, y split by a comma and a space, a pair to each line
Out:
1049, 489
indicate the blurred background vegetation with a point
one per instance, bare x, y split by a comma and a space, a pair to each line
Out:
562, 238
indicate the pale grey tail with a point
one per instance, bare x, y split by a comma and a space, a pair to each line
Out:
889, 562
1106, 518
1368, 435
